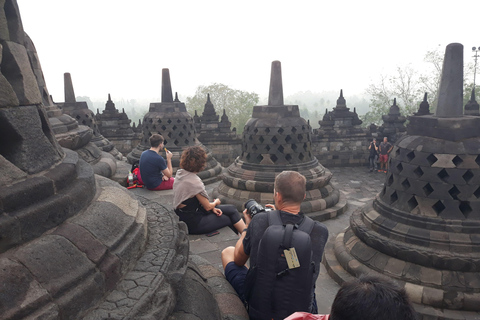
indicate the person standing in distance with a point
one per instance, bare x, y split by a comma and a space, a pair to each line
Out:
384, 149
373, 157
155, 172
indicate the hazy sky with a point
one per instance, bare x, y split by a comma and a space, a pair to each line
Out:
120, 47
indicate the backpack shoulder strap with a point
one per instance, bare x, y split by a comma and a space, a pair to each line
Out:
307, 225
274, 218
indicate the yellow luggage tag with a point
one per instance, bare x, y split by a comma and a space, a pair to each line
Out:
291, 257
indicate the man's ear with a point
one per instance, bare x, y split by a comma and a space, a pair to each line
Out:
279, 197
304, 196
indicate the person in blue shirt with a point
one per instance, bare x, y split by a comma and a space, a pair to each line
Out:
155, 172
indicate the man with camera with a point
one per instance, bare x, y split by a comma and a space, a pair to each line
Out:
289, 192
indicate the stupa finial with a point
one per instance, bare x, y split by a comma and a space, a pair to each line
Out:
166, 86
275, 97
68, 86
450, 93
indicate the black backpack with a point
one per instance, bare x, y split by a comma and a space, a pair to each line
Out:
273, 290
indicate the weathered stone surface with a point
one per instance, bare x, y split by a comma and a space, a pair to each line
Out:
17, 70
24, 129
196, 298
20, 292
8, 98
24, 193
9, 173
55, 263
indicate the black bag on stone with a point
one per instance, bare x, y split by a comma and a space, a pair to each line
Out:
273, 289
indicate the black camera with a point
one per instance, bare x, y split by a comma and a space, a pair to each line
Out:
253, 207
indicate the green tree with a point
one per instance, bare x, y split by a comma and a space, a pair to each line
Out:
408, 86
403, 85
237, 104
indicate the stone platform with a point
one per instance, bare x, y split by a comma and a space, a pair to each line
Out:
205, 294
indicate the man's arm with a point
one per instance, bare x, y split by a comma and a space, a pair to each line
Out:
168, 172
240, 257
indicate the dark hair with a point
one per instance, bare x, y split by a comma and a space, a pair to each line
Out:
291, 185
155, 140
372, 298
193, 159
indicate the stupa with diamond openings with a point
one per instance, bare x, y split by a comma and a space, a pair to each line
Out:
171, 119
423, 228
275, 139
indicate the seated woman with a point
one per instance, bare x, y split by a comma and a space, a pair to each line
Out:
190, 199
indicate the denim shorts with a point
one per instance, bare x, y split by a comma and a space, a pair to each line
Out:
236, 276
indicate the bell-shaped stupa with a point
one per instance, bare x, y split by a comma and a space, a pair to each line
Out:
67, 236
275, 139
171, 119
423, 228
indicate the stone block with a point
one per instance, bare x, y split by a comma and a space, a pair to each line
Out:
82, 297
25, 193
107, 222
83, 240
8, 98
28, 136
395, 267
432, 297
55, 262
62, 175
39, 218
414, 292
9, 173
17, 70
20, 292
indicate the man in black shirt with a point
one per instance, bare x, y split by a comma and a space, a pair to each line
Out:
289, 192
373, 157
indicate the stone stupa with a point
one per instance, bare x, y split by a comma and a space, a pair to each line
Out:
423, 228
79, 110
115, 126
68, 132
217, 135
275, 139
171, 119
393, 126
340, 141
67, 236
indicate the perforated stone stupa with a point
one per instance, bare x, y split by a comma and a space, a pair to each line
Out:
171, 119
275, 139
423, 228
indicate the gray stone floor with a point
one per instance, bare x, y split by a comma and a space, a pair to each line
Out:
357, 184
